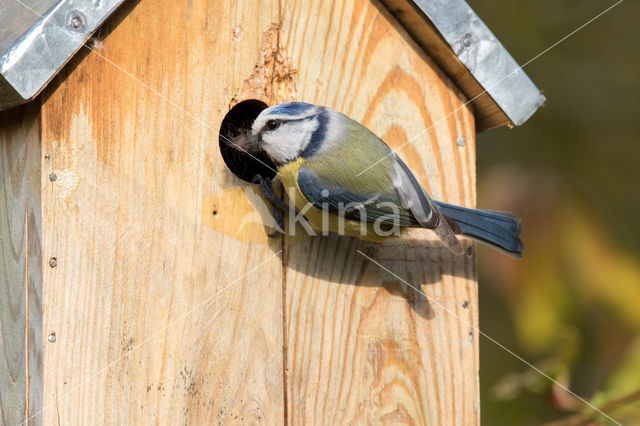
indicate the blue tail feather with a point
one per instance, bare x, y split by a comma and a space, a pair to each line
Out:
498, 230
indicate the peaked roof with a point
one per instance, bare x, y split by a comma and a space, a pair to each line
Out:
37, 39
468, 52
36, 42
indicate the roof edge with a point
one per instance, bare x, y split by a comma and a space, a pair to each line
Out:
30, 62
475, 60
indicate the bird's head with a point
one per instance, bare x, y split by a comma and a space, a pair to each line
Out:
289, 130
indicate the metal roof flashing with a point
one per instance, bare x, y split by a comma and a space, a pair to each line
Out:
468, 52
38, 37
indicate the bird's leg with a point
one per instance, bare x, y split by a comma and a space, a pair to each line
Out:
267, 190
277, 205
276, 180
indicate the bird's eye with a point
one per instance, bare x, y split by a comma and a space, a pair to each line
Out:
272, 124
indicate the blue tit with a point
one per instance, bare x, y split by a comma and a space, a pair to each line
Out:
320, 155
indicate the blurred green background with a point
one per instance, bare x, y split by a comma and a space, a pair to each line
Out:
572, 305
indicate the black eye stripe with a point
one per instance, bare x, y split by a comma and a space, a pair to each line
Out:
279, 122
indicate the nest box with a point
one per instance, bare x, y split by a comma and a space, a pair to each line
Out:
137, 281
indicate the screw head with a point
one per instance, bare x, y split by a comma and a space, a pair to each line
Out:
76, 21
465, 304
53, 262
53, 177
466, 40
52, 338
461, 141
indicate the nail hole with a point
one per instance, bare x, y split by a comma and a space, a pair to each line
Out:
239, 119
465, 304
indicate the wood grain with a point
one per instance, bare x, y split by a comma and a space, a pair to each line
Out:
488, 114
159, 317
168, 304
362, 347
20, 283
34, 270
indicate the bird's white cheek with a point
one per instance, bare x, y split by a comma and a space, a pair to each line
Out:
276, 146
288, 141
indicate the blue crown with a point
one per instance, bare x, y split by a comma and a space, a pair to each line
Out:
292, 108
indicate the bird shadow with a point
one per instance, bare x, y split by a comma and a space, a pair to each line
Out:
401, 267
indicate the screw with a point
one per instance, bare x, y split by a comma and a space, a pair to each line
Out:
466, 40
53, 262
461, 141
75, 20
53, 177
52, 338
465, 304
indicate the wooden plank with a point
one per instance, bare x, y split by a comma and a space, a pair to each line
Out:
13, 204
362, 348
34, 271
161, 315
20, 374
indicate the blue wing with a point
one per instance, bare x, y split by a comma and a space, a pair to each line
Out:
370, 207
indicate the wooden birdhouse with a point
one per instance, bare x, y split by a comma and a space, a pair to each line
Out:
137, 281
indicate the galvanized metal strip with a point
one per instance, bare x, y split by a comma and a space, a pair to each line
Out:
39, 37
484, 57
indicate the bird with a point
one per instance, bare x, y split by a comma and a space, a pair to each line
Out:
342, 176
